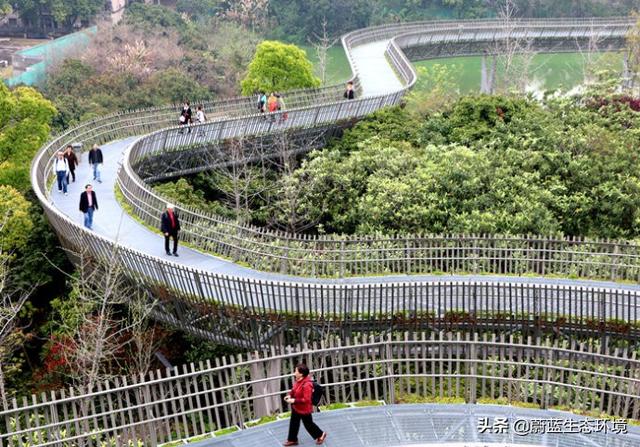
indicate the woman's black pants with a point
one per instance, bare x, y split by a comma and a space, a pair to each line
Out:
309, 425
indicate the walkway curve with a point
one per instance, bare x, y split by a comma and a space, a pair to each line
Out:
243, 306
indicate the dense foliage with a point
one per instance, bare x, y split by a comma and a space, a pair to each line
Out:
486, 164
278, 67
298, 20
24, 126
154, 58
64, 12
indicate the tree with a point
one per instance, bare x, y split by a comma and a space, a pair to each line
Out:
65, 12
278, 67
200, 7
5, 9
16, 225
92, 330
251, 14
12, 299
513, 55
24, 126
632, 56
321, 43
435, 89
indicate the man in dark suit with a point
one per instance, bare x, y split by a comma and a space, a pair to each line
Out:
88, 204
170, 225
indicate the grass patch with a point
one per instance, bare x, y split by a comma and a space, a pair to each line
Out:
412, 398
368, 403
225, 431
335, 406
261, 421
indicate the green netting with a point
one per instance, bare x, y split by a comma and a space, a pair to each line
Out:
51, 52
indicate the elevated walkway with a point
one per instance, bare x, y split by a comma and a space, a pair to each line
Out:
433, 425
227, 302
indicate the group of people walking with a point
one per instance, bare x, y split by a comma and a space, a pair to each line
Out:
272, 103
64, 169
186, 116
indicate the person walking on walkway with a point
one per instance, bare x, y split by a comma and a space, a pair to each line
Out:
72, 161
61, 171
349, 92
88, 204
272, 106
170, 225
201, 118
185, 116
95, 160
301, 407
262, 102
281, 108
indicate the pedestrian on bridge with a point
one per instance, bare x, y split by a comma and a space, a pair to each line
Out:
281, 108
72, 161
61, 171
349, 93
300, 399
170, 225
185, 117
201, 118
88, 204
95, 160
272, 105
262, 102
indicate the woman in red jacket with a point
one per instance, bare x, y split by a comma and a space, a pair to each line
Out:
301, 407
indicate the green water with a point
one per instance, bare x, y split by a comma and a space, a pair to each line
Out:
338, 69
550, 71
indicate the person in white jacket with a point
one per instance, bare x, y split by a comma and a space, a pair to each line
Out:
61, 171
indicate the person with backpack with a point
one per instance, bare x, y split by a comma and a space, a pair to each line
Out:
301, 400
61, 171
262, 102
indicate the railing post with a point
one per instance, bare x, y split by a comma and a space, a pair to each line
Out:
388, 354
546, 386
473, 370
614, 262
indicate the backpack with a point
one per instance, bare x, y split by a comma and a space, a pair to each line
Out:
318, 393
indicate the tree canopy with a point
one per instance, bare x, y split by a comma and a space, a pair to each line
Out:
278, 67
25, 117
15, 220
481, 164
65, 12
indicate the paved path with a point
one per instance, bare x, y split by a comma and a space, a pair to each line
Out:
376, 75
113, 222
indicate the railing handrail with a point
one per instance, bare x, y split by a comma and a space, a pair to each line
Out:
496, 360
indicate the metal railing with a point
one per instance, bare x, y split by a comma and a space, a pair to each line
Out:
196, 295
183, 402
342, 255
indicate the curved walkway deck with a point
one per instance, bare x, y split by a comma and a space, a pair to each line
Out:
383, 74
433, 425
113, 222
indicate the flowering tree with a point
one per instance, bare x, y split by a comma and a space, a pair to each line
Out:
251, 14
